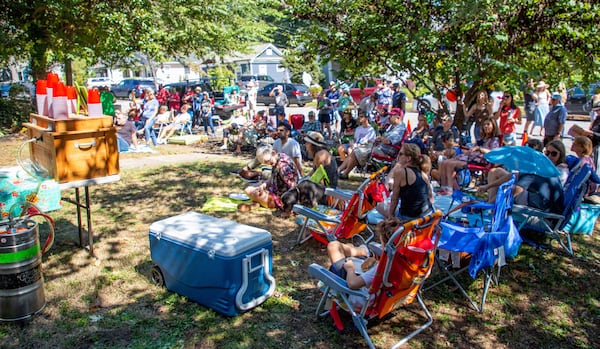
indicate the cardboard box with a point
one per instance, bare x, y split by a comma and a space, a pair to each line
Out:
74, 149
216, 262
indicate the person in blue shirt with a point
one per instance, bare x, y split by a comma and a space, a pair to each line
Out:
554, 122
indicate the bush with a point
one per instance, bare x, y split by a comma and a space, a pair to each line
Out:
15, 109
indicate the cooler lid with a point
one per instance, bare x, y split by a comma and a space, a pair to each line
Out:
220, 236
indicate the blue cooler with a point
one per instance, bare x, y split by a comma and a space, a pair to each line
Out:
216, 262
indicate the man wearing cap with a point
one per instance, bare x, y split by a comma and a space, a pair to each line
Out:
281, 100
285, 144
316, 148
312, 125
555, 119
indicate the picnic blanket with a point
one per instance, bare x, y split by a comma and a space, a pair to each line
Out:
224, 204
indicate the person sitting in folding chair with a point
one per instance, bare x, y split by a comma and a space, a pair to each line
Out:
411, 187
489, 139
370, 288
392, 137
183, 118
346, 259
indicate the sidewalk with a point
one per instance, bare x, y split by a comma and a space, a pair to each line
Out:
157, 160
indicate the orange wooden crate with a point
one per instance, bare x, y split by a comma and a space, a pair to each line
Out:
74, 149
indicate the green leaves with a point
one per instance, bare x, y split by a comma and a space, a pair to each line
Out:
481, 40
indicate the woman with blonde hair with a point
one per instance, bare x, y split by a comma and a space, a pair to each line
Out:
411, 187
284, 176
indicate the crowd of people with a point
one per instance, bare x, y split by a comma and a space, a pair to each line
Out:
377, 126
343, 135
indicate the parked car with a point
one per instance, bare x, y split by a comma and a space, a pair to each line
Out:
363, 87
98, 81
579, 99
296, 94
124, 87
261, 80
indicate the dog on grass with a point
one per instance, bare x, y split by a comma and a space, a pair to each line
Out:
306, 193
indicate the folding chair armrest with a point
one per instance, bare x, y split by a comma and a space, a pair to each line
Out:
376, 248
312, 214
333, 281
482, 205
526, 211
339, 194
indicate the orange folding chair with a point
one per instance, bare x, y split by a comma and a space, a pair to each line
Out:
345, 220
405, 262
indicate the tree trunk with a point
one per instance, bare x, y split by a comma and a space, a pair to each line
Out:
39, 61
69, 71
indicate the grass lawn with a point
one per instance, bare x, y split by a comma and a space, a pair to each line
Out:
545, 299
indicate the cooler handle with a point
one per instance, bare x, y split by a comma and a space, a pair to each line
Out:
246, 269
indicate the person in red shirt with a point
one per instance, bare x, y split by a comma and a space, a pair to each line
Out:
162, 96
508, 115
174, 100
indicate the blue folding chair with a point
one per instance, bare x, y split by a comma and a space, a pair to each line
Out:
488, 240
553, 224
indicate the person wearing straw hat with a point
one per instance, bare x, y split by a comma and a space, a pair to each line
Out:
317, 149
542, 106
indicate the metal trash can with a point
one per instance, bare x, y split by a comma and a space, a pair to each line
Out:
21, 280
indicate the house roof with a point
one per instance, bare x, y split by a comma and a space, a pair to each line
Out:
254, 53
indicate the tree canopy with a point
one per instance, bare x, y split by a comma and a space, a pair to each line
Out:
482, 42
113, 30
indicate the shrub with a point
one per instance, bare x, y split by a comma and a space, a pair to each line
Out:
15, 109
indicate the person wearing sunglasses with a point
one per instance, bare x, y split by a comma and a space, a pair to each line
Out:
557, 153
507, 116
412, 196
543, 193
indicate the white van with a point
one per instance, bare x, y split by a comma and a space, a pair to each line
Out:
98, 81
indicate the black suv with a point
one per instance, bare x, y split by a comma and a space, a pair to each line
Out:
124, 87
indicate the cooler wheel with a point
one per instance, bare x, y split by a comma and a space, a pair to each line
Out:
157, 276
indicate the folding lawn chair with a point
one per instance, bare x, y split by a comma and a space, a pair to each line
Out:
489, 237
405, 262
345, 216
553, 224
186, 127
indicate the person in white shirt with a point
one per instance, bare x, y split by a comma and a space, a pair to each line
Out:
285, 144
363, 134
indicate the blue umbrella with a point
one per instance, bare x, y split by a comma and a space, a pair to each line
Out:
523, 159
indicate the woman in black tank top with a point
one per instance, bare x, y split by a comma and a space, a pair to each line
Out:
411, 184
